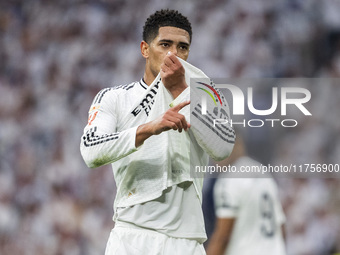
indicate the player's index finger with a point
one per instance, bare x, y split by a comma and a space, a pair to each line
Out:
178, 107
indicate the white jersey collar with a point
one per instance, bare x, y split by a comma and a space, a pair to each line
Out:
143, 84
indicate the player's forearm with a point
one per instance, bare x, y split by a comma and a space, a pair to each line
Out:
217, 146
98, 150
215, 137
171, 119
143, 132
217, 246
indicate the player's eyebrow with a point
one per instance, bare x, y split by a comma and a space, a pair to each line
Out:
184, 44
166, 41
171, 42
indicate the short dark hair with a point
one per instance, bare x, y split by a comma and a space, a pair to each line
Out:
164, 18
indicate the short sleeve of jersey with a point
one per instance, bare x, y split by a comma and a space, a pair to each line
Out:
281, 218
227, 198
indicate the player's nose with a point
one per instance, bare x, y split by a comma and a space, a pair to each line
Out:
173, 50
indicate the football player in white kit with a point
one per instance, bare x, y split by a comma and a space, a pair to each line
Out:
249, 215
157, 209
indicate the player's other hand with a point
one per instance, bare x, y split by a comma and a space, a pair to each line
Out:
173, 75
171, 119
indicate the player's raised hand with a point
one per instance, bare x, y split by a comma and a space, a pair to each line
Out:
171, 119
173, 75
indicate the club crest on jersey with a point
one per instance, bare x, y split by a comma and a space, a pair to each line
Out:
93, 108
92, 116
147, 102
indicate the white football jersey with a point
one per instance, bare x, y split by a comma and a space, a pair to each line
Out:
254, 204
142, 173
155, 185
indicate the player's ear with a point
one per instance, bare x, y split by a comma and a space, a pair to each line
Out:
144, 48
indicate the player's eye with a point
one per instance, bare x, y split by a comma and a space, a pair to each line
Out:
183, 47
165, 45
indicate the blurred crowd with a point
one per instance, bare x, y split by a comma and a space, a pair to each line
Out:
56, 55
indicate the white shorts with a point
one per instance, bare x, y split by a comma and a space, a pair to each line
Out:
137, 241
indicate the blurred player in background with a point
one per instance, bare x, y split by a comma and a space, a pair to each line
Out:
249, 216
158, 205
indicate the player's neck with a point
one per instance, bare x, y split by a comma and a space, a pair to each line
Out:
148, 77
